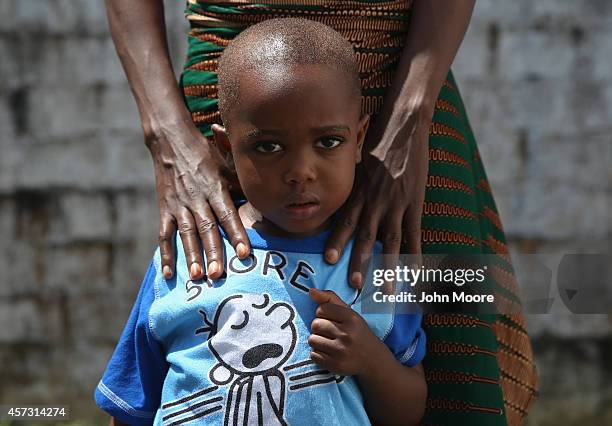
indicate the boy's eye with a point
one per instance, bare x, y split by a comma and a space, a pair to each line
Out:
329, 143
268, 147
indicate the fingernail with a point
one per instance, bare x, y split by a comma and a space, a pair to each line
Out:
241, 249
167, 272
213, 268
332, 255
195, 270
356, 278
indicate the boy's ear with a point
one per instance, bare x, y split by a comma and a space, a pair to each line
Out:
221, 138
362, 130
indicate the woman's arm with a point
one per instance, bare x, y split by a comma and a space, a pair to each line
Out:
191, 188
398, 137
436, 30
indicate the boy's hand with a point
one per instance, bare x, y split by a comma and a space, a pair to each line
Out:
341, 340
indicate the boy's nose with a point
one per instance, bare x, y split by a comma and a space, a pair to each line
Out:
301, 169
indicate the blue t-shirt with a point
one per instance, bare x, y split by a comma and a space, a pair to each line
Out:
235, 351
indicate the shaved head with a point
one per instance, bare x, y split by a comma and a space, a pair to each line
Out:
271, 48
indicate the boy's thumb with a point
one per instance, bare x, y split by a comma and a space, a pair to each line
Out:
325, 296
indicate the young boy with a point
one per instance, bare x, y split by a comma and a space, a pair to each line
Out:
278, 339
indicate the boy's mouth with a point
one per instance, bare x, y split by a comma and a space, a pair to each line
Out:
303, 207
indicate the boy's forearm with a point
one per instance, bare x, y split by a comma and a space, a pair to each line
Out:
138, 31
393, 393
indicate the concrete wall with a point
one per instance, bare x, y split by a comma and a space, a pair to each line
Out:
537, 82
78, 216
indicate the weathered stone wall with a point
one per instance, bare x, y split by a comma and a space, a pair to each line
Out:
78, 216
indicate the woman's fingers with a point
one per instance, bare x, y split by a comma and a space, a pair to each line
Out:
392, 241
392, 231
364, 244
191, 245
411, 227
344, 228
411, 230
201, 225
167, 231
206, 223
412, 240
411, 237
228, 217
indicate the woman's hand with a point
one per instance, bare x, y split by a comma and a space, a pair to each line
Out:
388, 196
192, 190
193, 196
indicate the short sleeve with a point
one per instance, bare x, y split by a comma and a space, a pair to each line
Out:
407, 339
130, 389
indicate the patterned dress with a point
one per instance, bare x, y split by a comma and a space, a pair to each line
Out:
479, 368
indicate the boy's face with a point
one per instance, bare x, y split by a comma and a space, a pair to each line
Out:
295, 134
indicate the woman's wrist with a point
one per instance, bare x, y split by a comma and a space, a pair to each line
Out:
416, 111
419, 92
392, 140
168, 134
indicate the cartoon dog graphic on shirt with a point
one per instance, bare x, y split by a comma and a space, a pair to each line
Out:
251, 337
